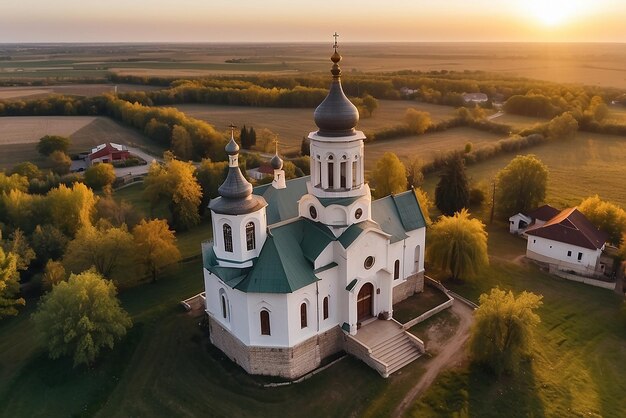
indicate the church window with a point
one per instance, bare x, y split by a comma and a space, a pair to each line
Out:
325, 308
369, 262
331, 168
250, 236
396, 270
265, 322
224, 311
358, 213
342, 174
228, 238
313, 212
354, 181
303, 322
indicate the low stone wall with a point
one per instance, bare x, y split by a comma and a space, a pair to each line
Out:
413, 284
437, 285
581, 279
363, 353
287, 362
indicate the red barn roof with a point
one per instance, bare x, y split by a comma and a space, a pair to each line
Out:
543, 213
107, 149
571, 227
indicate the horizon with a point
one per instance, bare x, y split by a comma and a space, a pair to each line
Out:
187, 21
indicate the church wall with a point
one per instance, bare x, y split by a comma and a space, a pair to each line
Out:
277, 306
237, 310
286, 362
409, 286
238, 224
308, 296
328, 286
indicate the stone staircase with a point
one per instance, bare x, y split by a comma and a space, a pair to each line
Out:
396, 352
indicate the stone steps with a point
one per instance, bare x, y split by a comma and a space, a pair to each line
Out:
397, 351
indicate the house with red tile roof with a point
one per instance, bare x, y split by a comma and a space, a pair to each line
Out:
520, 221
568, 242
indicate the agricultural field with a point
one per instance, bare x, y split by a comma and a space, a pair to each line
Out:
19, 135
592, 64
518, 122
427, 146
589, 164
37, 92
292, 124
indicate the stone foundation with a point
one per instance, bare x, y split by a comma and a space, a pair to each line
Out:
287, 362
413, 284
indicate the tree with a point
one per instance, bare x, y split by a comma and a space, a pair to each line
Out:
70, 209
244, 138
452, 191
53, 274
175, 183
389, 176
59, 162
458, 244
9, 285
425, 204
80, 317
18, 246
521, 185
48, 242
27, 169
597, 110
606, 216
622, 248
415, 175
155, 246
51, 143
181, 143
110, 250
99, 175
502, 333
117, 213
563, 127
370, 104
12, 182
417, 120
305, 146
210, 176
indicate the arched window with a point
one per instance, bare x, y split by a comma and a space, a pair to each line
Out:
224, 308
303, 322
325, 309
396, 270
228, 238
250, 236
265, 322
418, 252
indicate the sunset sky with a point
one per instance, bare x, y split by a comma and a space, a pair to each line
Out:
283, 20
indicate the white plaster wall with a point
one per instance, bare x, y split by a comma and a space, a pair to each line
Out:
336, 214
558, 251
277, 305
240, 256
514, 223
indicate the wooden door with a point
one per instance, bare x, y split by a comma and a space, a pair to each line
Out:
364, 302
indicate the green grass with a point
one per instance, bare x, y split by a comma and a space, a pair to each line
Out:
418, 304
576, 368
590, 164
518, 122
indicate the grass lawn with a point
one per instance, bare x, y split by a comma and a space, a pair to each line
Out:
590, 164
580, 352
418, 304
292, 124
518, 122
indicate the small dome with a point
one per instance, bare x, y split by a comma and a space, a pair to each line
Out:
276, 162
336, 115
232, 148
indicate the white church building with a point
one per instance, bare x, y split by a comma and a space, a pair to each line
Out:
296, 269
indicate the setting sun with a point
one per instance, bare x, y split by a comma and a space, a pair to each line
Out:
555, 12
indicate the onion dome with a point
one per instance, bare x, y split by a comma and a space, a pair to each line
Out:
236, 196
276, 162
336, 116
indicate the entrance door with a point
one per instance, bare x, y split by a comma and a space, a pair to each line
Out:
364, 302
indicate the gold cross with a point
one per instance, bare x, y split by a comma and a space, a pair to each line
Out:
336, 35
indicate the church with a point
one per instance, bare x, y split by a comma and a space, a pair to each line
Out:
297, 269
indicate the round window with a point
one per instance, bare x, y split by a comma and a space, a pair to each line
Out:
358, 213
313, 212
369, 262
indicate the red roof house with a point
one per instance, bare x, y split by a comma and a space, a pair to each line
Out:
107, 153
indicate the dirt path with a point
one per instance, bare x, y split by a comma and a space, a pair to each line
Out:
452, 353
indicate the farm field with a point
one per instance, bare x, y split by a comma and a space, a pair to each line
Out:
518, 122
592, 64
576, 365
292, 124
427, 146
19, 135
590, 164
26, 92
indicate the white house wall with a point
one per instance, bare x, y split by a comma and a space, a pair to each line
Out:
555, 252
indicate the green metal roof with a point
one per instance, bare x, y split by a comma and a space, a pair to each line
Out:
350, 285
318, 237
409, 210
398, 214
282, 204
326, 267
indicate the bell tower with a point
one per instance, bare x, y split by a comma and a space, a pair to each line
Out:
338, 193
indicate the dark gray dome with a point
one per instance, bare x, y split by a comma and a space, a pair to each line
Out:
232, 148
336, 115
276, 162
235, 186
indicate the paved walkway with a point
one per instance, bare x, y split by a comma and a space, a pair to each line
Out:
452, 354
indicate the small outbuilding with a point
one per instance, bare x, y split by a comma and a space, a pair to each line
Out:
519, 222
108, 153
475, 98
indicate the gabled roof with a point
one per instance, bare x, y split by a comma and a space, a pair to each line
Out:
106, 149
398, 214
571, 227
543, 213
282, 203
